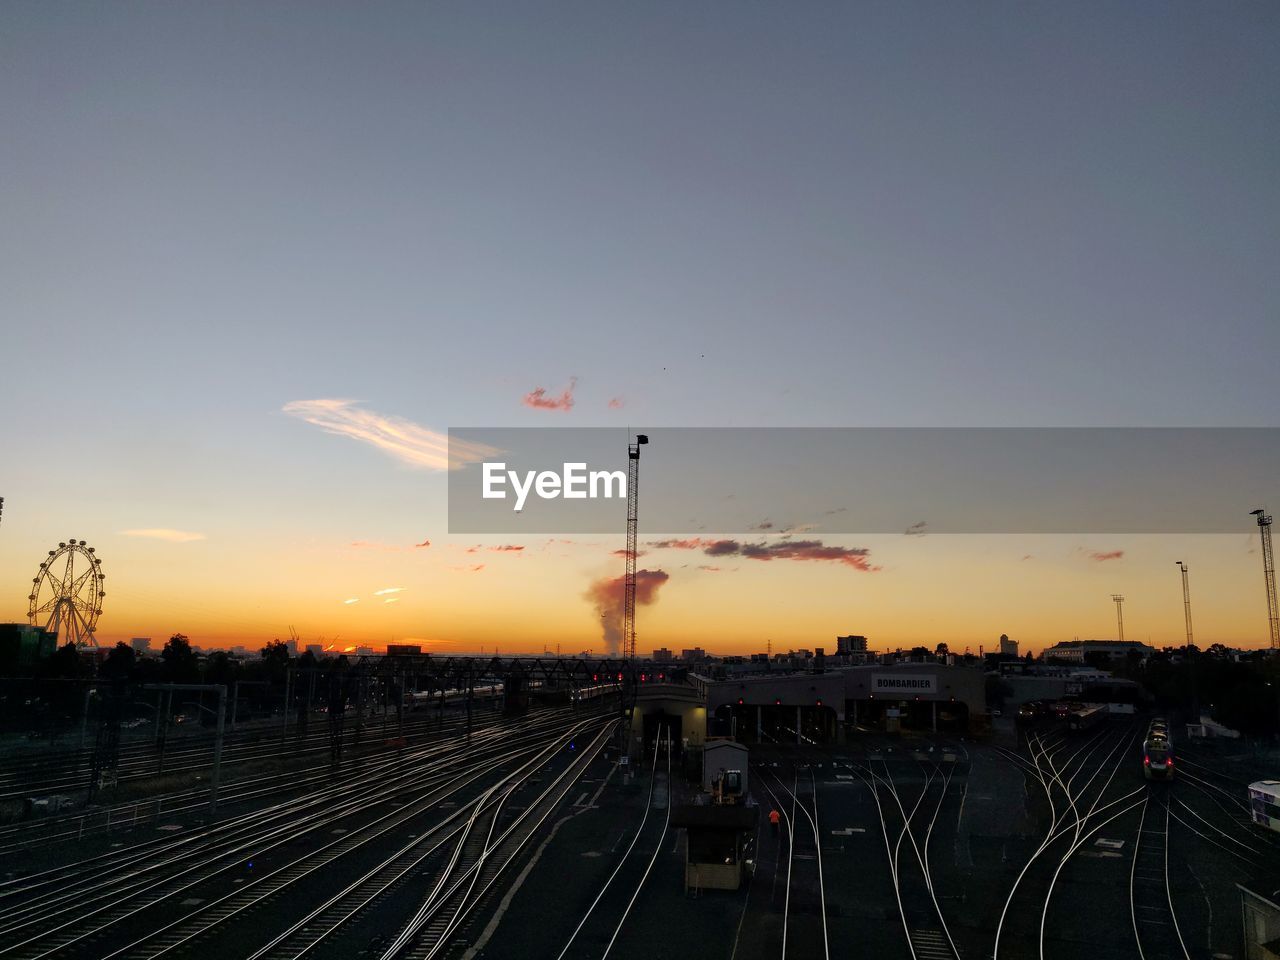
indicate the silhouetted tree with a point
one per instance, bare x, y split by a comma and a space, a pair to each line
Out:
65, 662
179, 659
119, 662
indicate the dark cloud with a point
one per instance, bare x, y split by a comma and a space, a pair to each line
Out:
916, 529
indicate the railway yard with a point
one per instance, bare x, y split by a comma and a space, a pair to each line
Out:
529, 838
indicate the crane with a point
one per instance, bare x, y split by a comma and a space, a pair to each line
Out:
1269, 575
629, 582
1119, 614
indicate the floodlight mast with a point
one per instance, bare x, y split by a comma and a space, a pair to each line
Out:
629, 582
1269, 576
1186, 598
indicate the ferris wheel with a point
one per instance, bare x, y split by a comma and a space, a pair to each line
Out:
66, 596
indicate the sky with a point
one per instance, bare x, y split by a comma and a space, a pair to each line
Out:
256, 259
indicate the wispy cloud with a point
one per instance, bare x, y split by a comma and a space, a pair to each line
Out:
164, 533
1108, 555
386, 590
916, 529
539, 399
499, 548
351, 600
391, 600
403, 439
424, 543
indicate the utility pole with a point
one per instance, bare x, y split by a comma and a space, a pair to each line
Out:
1269, 574
1186, 598
1119, 614
629, 584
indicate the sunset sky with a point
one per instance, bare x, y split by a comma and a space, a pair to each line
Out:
256, 260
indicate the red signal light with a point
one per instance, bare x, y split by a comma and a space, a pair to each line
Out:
739, 701
819, 701
777, 701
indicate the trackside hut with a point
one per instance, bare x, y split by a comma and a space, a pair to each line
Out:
919, 696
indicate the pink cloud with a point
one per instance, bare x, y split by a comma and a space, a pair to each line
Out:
1109, 555
617, 403
424, 543
539, 399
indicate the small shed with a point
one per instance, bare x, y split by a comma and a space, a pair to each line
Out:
719, 844
720, 758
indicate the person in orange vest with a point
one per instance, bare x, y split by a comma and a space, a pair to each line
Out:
775, 818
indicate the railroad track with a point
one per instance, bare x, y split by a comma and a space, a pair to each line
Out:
924, 926
596, 932
1078, 809
81, 916
1155, 920
805, 895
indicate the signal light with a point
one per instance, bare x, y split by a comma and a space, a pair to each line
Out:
619, 678
739, 701
777, 701
662, 676
819, 701
595, 676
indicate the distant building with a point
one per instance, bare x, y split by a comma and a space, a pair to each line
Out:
141, 645
693, 653
662, 653
1079, 651
1008, 648
404, 649
315, 649
851, 644
292, 646
364, 651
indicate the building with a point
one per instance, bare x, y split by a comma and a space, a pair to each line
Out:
315, 649
820, 707
364, 651
1008, 648
404, 649
851, 644
22, 645
1082, 651
141, 645
662, 655
693, 653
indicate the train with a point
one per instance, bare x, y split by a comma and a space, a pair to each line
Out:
1157, 752
1264, 804
1086, 718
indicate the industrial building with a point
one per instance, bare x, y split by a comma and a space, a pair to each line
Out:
1081, 651
821, 707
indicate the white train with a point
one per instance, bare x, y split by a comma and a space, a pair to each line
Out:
1264, 803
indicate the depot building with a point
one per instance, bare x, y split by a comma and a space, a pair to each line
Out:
825, 707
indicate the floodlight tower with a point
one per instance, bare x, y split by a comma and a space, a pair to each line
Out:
1186, 598
1269, 574
1119, 614
629, 584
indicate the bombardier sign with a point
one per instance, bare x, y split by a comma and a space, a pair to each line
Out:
905, 683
